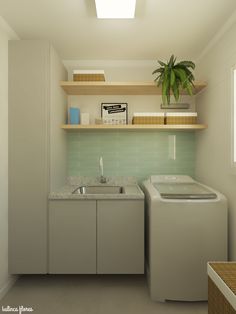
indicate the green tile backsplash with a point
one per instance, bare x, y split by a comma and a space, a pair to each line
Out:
137, 154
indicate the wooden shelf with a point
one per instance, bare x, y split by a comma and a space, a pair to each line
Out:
118, 88
127, 127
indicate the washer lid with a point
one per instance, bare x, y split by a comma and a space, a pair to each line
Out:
184, 191
171, 179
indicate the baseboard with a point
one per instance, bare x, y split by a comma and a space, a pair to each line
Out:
7, 286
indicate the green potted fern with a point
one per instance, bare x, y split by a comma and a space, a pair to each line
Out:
174, 77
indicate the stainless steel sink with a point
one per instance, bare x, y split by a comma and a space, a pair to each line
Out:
99, 189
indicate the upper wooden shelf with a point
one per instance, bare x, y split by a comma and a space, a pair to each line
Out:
118, 88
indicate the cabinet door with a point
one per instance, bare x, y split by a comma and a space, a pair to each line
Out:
28, 151
72, 237
120, 232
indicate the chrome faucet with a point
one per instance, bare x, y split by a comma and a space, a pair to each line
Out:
102, 178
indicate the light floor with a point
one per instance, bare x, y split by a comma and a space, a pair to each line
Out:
91, 295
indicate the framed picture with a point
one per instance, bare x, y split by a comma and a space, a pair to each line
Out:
114, 113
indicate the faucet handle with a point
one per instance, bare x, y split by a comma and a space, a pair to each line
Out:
103, 179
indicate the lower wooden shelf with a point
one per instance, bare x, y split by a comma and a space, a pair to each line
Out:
133, 127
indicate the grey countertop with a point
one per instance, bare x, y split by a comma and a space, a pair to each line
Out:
131, 189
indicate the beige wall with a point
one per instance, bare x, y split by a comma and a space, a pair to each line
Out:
214, 105
119, 71
5, 34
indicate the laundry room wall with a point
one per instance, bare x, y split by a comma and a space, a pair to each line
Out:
214, 106
5, 34
126, 153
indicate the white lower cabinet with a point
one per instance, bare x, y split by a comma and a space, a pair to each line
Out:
120, 237
72, 237
103, 237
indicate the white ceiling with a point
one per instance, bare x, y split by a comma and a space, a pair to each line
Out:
161, 27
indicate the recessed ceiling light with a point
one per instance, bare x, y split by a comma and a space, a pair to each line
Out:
115, 9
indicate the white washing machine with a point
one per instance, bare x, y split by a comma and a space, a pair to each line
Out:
186, 225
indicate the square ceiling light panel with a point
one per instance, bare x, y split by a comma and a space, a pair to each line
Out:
115, 9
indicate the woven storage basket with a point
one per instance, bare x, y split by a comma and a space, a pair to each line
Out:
181, 117
88, 77
148, 120
181, 120
217, 303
